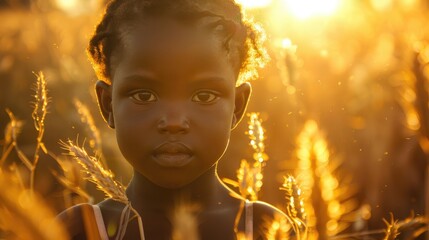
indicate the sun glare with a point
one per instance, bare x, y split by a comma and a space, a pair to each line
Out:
67, 4
77, 7
304, 9
253, 3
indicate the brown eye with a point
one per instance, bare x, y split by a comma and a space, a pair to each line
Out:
144, 97
205, 97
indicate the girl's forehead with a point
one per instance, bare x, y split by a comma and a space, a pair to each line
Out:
167, 31
157, 37
163, 44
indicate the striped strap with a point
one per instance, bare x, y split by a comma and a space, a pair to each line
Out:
248, 227
93, 222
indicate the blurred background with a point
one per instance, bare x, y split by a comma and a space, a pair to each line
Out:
354, 71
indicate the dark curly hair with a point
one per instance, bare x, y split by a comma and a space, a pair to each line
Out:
241, 38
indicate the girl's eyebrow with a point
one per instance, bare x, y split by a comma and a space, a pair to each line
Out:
207, 79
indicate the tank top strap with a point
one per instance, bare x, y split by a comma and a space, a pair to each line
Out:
93, 222
100, 222
248, 225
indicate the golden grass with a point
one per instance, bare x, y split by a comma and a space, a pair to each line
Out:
12, 131
250, 176
104, 180
25, 215
15, 126
101, 177
315, 212
295, 210
324, 198
92, 130
39, 115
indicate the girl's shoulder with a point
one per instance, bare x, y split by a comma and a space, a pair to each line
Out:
76, 220
85, 221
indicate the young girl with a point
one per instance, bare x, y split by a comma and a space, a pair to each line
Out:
172, 87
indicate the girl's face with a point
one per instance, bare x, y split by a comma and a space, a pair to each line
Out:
173, 101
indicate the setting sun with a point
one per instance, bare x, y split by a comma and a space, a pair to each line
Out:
308, 8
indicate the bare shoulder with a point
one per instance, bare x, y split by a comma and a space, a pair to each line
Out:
73, 220
80, 220
111, 211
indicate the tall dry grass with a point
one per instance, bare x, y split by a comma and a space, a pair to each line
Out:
250, 175
327, 201
94, 138
318, 204
104, 180
24, 214
40, 109
295, 209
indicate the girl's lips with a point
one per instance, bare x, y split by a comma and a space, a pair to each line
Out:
172, 155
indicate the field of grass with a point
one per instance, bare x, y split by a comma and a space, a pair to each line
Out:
337, 134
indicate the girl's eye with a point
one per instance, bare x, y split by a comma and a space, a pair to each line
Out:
205, 97
144, 97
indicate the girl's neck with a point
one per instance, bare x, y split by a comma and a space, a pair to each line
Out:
206, 191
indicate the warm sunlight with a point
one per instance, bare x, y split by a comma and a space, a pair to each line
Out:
217, 110
77, 7
308, 8
253, 3
67, 4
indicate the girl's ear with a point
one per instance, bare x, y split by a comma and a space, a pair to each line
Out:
242, 95
104, 96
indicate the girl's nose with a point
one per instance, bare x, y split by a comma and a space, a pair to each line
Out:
176, 123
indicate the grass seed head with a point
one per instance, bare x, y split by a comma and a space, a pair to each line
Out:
101, 177
86, 117
40, 102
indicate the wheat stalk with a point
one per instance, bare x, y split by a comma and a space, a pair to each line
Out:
393, 228
24, 215
13, 129
86, 117
39, 114
295, 210
104, 180
325, 199
97, 174
249, 177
